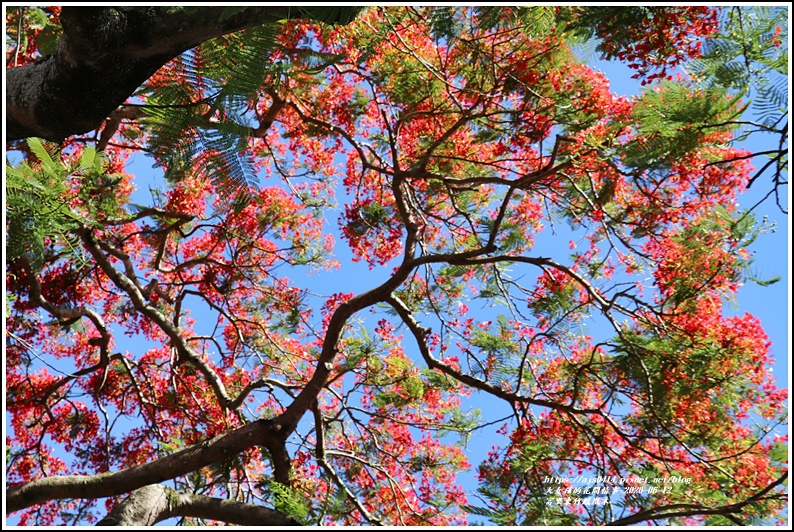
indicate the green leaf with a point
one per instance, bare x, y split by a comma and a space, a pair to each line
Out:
286, 500
44, 153
766, 282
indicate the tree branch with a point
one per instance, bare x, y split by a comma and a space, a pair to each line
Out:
689, 510
155, 502
196, 456
106, 53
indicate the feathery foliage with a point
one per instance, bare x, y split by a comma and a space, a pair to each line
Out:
201, 124
749, 59
36, 212
673, 121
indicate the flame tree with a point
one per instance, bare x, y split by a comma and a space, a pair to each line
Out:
176, 358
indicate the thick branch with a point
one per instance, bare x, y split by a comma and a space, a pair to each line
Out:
511, 397
190, 459
106, 53
689, 510
289, 419
154, 503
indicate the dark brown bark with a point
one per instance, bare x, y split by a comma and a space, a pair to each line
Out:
106, 53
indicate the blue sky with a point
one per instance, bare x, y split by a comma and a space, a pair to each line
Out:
772, 254
771, 304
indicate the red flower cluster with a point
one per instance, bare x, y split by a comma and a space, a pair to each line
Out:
667, 37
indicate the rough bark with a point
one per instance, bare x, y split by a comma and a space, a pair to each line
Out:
106, 53
154, 503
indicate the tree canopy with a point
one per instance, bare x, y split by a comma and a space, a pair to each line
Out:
536, 260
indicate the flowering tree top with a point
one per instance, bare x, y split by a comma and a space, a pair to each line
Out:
181, 346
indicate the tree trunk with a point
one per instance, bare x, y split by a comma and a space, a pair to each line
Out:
154, 503
106, 53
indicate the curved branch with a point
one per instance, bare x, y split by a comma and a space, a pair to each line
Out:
689, 510
106, 53
129, 284
292, 415
154, 503
196, 456
65, 314
511, 397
